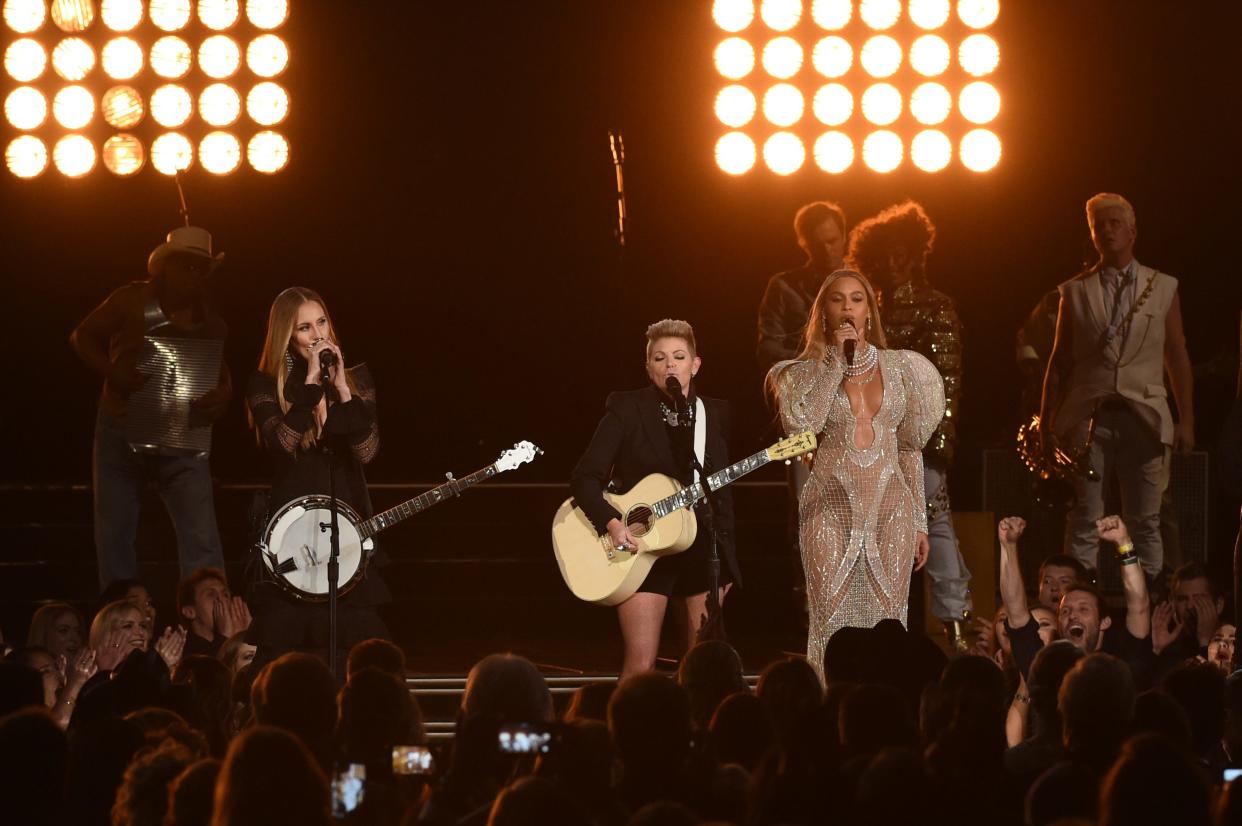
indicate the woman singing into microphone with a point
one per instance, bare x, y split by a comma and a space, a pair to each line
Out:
643, 432
307, 429
862, 517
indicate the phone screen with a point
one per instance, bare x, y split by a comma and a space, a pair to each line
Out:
1229, 775
348, 788
412, 760
525, 738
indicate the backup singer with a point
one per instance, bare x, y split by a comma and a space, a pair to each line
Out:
863, 520
640, 434
306, 430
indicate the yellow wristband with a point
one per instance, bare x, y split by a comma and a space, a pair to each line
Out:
1125, 549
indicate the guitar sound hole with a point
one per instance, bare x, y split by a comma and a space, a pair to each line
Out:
639, 520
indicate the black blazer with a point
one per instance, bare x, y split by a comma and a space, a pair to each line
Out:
631, 443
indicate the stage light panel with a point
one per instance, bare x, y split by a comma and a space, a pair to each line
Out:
979, 102
832, 14
735, 106
978, 55
267, 55
171, 153
72, 16
930, 55
931, 150
781, 15
883, 151
123, 155
268, 152
73, 58
171, 57
784, 153
735, 153
832, 56
122, 107
833, 104
219, 104
782, 57
978, 14
219, 56
267, 14
26, 156
169, 15
74, 155
931, 104
171, 105
880, 14
121, 16
980, 150
25, 60
122, 58
267, 104
929, 14
220, 153
834, 152
735, 58
73, 107
880, 56
783, 105
733, 15
218, 15
25, 17
25, 108
881, 104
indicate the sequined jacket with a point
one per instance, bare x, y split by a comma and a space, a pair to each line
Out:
919, 318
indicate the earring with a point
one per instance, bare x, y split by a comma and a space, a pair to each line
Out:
288, 361
868, 324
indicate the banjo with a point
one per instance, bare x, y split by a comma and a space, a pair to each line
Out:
296, 543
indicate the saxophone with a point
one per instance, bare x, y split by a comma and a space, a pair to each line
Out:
1055, 468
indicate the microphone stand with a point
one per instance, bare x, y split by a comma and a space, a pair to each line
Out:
334, 539
713, 624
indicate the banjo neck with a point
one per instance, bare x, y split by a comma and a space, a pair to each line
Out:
441, 493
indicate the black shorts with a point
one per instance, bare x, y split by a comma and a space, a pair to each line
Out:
685, 574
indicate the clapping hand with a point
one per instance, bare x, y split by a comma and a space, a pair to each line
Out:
115, 650
81, 668
170, 646
1165, 627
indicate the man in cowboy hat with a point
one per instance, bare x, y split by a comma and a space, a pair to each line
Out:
171, 303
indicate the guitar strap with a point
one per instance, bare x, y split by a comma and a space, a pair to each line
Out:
700, 435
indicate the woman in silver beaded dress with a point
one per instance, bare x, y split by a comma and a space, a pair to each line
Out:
863, 523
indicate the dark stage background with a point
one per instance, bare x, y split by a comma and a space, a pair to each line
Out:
451, 195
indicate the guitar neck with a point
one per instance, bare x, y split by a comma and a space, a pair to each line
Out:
422, 502
688, 496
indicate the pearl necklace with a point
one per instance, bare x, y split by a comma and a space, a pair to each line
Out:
863, 362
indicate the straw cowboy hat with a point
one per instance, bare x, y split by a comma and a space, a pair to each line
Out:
194, 241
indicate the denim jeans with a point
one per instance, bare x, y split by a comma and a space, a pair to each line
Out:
119, 474
950, 578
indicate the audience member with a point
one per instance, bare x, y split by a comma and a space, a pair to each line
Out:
376, 653
206, 699
1200, 690
1097, 705
710, 671
236, 653
191, 794
509, 687
742, 730
270, 777
33, 760
1182, 626
534, 801
57, 627
1153, 784
296, 692
142, 799
590, 702
209, 612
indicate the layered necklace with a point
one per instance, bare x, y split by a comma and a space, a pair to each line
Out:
672, 419
864, 363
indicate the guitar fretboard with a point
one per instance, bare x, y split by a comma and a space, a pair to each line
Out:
420, 503
689, 495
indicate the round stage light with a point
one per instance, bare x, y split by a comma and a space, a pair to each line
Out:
73, 58
122, 58
929, 14
978, 14
931, 104
782, 57
219, 56
930, 56
735, 153
170, 15
171, 153
171, 105
122, 107
882, 151
980, 150
735, 106
781, 15
267, 55
25, 108
73, 107
880, 56
218, 14
931, 150
120, 16
784, 153
832, 14
979, 102
25, 60
833, 104
880, 14
268, 152
267, 104
733, 15
24, 17
73, 16
26, 156
978, 55
219, 104
171, 57
834, 152
881, 104
219, 153
123, 155
832, 56
268, 14
74, 155
735, 58
783, 105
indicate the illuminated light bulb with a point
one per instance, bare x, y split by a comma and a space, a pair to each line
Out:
881, 104
25, 108
782, 57
880, 14
120, 16
733, 15
26, 156
832, 56
267, 104
980, 150
929, 14
72, 16
219, 153
883, 151
978, 14
122, 58
834, 152
74, 156
122, 107
735, 106
978, 55
267, 55
171, 105
979, 102
219, 105
930, 55
25, 17
783, 104
784, 153
123, 155
832, 14
931, 150
171, 57
781, 15
219, 56
171, 153
735, 153
931, 104
735, 58
73, 107
25, 60
881, 56
833, 105
268, 152
73, 58
267, 14
218, 14
170, 15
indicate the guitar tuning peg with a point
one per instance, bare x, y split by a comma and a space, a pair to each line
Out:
788, 463
449, 476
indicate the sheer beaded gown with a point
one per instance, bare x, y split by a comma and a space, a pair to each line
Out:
864, 504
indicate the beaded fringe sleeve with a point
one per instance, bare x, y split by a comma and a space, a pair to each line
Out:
282, 432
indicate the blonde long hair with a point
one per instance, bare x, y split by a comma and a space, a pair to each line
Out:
281, 319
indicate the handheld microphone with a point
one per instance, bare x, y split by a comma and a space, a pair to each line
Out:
327, 360
849, 345
673, 386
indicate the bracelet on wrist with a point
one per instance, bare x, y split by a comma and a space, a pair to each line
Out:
1125, 549
1129, 559
1019, 697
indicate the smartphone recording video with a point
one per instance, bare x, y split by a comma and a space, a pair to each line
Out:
412, 760
525, 738
348, 788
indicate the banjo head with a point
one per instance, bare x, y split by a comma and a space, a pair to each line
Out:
297, 545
